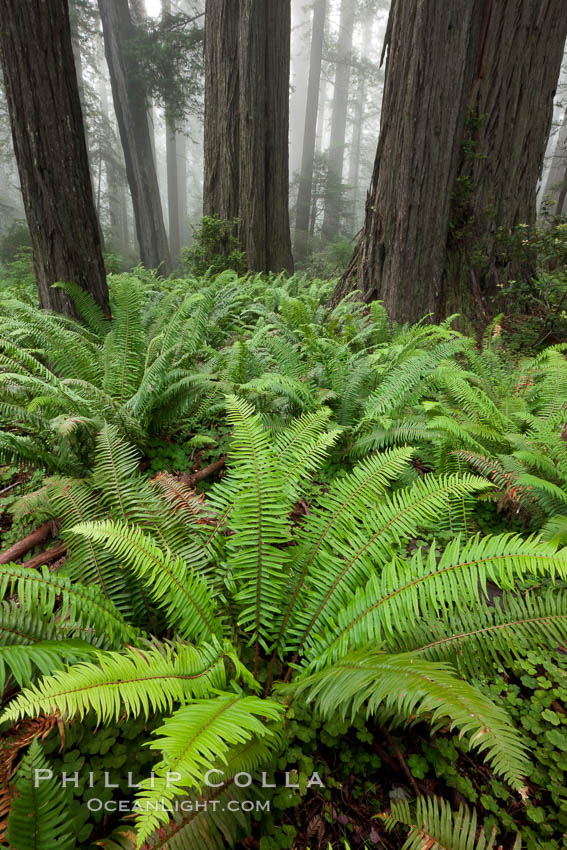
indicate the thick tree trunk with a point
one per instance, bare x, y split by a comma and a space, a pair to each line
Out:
181, 147
77, 56
562, 195
357, 128
467, 107
247, 125
300, 26
172, 191
130, 107
310, 132
172, 174
557, 173
547, 179
333, 193
322, 117
115, 178
49, 143
222, 126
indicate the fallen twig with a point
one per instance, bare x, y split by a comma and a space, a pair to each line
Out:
46, 557
201, 474
16, 551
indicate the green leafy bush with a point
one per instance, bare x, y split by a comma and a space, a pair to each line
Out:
215, 248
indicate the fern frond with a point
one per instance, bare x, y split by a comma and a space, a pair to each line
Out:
407, 686
133, 682
434, 825
39, 816
428, 589
170, 581
485, 638
193, 738
345, 555
42, 592
254, 494
90, 311
124, 344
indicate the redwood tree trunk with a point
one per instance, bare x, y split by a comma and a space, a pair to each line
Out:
222, 126
130, 106
49, 142
181, 148
556, 176
247, 124
467, 107
333, 191
172, 173
310, 131
355, 153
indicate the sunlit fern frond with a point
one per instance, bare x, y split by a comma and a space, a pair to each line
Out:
194, 737
336, 559
435, 587
138, 681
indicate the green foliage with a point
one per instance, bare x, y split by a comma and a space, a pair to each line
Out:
38, 817
286, 602
435, 825
341, 564
14, 242
215, 248
533, 693
166, 56
536, 304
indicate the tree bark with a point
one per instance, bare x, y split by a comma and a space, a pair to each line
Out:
222, 127
247, 47
310, 132
334, 194
181, 147
300, 24
357, 128
49, 143
551, 192
130, 106
172, 173
549, 181
467, 107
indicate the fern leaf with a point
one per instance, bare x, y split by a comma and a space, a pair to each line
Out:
134, 682
408, 686
170, 581
434, 825
193, 738
39, 817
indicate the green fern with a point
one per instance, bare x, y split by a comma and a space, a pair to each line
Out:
39, 814
433, 825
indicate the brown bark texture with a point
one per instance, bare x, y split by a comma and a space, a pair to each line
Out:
247, 60
130, 106
48, 133
23, 546
467, 109
222, 132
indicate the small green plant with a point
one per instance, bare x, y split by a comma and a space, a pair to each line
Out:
215, 248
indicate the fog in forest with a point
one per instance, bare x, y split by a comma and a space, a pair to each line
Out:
345, 103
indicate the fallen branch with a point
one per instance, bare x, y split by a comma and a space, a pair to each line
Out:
401, 760
201, 474
46, 557
17, 551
